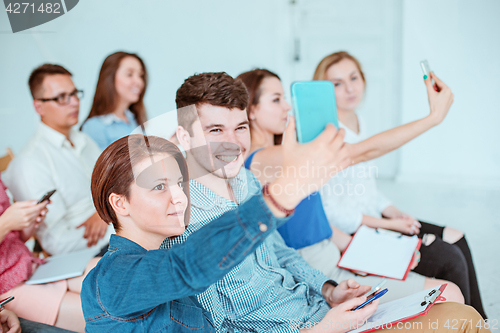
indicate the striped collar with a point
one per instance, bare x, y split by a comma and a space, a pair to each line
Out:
205, 199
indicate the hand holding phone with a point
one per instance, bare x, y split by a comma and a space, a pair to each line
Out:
46, 196
314, 107
426, 69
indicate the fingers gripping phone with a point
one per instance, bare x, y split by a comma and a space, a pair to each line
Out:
46, 196
426, 69
314, 107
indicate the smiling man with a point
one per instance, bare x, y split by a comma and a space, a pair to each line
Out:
58, 157
273, 289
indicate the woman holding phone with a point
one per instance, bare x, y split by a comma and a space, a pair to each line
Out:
56, 303
118, 106
445, 252
309, 230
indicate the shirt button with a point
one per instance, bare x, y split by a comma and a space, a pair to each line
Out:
262, 227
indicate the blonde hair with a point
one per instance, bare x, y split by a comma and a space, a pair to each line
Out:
332, 59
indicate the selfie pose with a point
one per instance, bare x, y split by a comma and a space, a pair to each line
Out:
445, 253
309, 230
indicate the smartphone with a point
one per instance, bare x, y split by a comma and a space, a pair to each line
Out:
5, 301
371, 299
426, 69
46, 196
314, 106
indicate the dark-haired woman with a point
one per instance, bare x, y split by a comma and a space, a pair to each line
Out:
118, 106
309, 230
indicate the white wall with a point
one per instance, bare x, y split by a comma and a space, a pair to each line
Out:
460, 39
175, 38
178, 38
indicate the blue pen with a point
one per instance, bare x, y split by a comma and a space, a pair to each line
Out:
371, 299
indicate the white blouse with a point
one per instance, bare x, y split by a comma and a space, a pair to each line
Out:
353, 192
48, 162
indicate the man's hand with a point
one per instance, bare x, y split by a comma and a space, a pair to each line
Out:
341, 319
346, 290
9, 323
317, 162
95, 229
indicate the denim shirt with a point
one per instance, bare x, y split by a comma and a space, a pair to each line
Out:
108, 128
272, 290
126, 291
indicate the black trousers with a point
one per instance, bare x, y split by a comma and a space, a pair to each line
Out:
452, 262
28, 326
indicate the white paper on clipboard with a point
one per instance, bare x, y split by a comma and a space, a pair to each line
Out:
379, 254
402, 309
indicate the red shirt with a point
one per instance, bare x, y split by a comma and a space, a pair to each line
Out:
15, 258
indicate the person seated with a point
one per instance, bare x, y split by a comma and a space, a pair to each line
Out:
255, 294
309, 230
56, 303
118, 105
144, 190
445, 251
58, 157
141, 185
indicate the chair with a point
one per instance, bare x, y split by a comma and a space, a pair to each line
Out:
5, 160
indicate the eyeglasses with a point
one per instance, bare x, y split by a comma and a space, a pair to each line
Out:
65, 98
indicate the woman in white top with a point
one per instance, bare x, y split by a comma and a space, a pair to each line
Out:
351, 197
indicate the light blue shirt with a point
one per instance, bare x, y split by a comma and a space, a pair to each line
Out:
108, 128
272, 290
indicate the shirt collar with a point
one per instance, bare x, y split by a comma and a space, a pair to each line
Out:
117, 243
58, 139
204, 198
108, 119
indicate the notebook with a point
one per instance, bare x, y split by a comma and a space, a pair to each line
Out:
379, 254
61, 267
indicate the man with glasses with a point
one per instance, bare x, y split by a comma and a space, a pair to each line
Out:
61, 158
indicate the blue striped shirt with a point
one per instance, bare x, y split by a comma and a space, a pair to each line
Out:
272, 290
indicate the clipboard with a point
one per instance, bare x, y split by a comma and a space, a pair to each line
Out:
380, 254
391, 313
